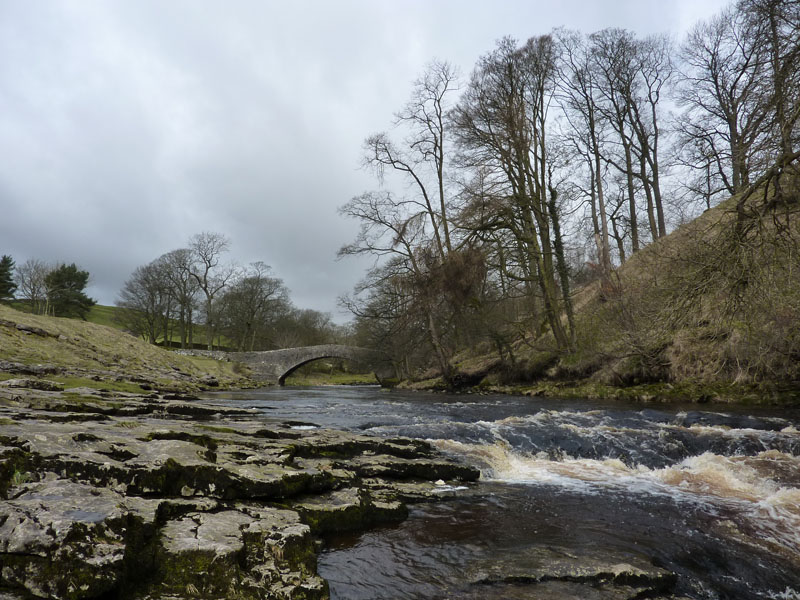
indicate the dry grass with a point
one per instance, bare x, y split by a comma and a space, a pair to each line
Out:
88, 348
708, 304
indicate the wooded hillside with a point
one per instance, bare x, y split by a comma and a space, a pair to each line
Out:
525, 211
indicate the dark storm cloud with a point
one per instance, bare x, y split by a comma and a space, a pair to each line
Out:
126, 127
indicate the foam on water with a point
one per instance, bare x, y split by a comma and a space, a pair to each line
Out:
745, 489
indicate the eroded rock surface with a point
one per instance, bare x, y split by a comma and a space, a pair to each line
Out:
553, 574
147, 497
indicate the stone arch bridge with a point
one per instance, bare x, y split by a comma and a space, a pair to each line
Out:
274, 366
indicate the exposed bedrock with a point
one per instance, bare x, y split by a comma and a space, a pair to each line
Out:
143, 497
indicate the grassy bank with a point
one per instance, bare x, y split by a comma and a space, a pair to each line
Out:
111, 316
314, 379
764, 394
91, 355
709, 313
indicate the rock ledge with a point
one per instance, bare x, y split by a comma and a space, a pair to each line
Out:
144, 497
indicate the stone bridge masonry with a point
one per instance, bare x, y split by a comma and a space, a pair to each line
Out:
274, 366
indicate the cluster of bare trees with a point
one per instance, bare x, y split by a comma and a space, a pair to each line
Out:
609, 89
739, 89
240, 308
31, 285
564, 151
416, 296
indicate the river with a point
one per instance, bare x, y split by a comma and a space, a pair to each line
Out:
710, 493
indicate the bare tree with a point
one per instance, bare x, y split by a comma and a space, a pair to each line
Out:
146, 300
211, 276
579, 96
614, 58
177, 266
655, 71
386, 318
501, 123
30, 280
251, 305
720, 91
414, 230
389, 229
421, 158
774, 26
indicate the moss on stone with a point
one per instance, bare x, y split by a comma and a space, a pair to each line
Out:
13, 463
216, 429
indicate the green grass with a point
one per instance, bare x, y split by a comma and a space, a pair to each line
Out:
85, 382
110, 317
220, 369
99, 314
20, 305
104, 315
332, 379
20, 477
90, 347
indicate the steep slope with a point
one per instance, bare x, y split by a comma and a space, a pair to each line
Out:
711, 310
713, 302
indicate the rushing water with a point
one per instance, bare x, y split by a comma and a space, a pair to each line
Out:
712, 495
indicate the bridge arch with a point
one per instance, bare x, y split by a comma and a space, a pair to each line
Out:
282, 378
274, 366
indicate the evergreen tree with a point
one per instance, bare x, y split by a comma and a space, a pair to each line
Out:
65, 297
7, 285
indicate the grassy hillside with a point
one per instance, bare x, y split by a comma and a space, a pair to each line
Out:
86, 353
102, 315
110, 317
710, 311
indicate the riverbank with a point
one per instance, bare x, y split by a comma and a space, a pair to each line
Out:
765, 394
161, 495
338, 378
75, 353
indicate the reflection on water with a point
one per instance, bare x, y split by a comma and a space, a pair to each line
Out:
712, 496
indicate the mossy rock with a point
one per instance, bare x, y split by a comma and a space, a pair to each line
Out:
347, 510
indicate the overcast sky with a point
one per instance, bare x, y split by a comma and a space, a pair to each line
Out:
127, 126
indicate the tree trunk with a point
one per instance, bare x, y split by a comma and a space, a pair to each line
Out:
546, 283
651, 215
182, 325
619, 240
631, 198
209, 326
438, 348
561, 266
595, 222
605, 257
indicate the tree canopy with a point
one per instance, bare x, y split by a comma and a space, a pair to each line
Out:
7, 285
65, 291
